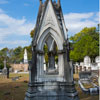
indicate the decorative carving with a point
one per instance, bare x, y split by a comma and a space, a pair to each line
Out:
49, 20
51, 74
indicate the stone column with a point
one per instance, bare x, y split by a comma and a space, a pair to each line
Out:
67, 68
32, 73
51, 61
33, 66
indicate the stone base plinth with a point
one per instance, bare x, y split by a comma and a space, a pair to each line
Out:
4, 71
51, 95
58, 91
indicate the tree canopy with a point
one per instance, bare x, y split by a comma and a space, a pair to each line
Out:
32, 33
4, 55
86, 42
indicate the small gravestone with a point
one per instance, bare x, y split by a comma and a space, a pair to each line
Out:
15, 78
76, 67
97, 61
87, 62
80, 69
4, 71
85, 75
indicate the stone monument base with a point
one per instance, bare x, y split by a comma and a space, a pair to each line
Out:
51, 95
51, 91
4, 71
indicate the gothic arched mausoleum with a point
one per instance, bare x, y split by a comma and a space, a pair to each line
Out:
51, 73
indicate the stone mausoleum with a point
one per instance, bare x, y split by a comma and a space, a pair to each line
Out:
51, 72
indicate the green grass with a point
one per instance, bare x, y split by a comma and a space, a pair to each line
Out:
6, 85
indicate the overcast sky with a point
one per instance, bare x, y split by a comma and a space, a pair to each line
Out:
18, 18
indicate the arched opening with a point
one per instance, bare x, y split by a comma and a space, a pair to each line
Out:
48, 38
50, 56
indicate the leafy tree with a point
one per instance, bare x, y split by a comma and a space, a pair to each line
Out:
32, 33
4, 54
17, 55
85, 43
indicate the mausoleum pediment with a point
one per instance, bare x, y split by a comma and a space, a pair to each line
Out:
50, 20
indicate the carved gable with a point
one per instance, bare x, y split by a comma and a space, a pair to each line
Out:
50, 21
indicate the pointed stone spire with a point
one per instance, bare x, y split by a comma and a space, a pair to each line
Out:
40, 8
40, 2
59, 3
25, 57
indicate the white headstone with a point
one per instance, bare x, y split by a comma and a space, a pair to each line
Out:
77, 64
97, 61
94, 66
16, 71
25, 56
81, 64
87, 61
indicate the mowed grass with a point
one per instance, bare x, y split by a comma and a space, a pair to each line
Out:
18, 88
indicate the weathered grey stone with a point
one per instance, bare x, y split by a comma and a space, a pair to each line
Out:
53, 83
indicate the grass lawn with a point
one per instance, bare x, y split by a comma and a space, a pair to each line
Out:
16, 90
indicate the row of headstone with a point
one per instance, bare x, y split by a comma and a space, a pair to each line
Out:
87, 65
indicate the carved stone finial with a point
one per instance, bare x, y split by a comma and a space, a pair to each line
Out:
58, 3
40, 1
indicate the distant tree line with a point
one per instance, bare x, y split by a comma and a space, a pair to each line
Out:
13, 55
86, 42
